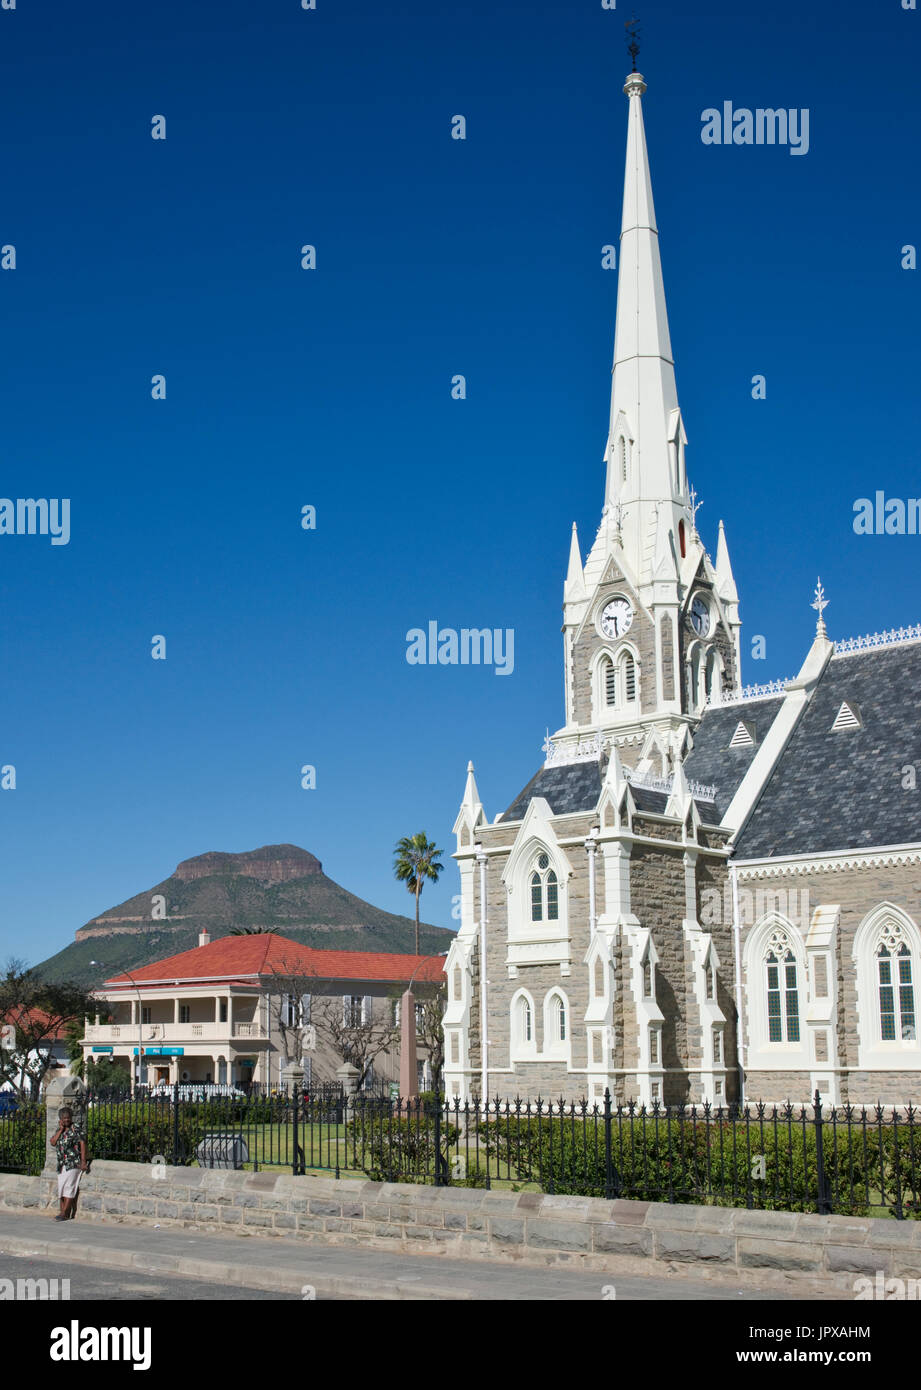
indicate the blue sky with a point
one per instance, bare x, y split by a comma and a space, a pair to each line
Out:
332, 388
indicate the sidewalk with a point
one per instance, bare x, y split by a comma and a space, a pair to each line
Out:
345, 1271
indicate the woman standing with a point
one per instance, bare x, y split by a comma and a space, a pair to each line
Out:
70, 1143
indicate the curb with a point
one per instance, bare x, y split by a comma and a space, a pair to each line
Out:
218, 1271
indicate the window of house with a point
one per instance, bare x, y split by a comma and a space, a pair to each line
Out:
525, 1020
896, 994
353, 1010
145, 1013
782, 997
654, 1046
647, 978
717, 1047
222, 1010
185, 1013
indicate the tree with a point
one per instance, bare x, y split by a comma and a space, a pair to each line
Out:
430, 1034
353, 1037
290, 1006
39, 1010
252, 931
416, 859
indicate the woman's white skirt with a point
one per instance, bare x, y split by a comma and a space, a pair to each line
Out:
69, 1182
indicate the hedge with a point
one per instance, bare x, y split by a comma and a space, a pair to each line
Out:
720, 1163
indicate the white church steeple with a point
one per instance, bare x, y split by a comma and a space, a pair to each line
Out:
646, 442
651, 626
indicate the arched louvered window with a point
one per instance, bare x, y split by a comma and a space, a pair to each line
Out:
622, 458
610, 682
629, 666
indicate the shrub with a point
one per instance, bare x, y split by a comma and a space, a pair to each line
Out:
22, 1140
396, 1150
682, 1160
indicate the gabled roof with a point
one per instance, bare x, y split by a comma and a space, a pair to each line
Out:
248, 958
834, 790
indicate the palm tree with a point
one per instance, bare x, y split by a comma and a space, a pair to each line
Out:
252, 931
416, 860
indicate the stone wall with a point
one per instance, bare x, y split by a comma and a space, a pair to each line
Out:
588, 1233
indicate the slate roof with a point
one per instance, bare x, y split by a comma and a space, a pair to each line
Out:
248, 957
572, 787
833, 791
712, 762
577, 786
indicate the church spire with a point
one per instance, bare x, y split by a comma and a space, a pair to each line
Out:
645, 448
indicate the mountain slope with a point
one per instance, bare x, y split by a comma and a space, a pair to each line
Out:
276, 886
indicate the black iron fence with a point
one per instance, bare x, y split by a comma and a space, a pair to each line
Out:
849, 1160
22, 1135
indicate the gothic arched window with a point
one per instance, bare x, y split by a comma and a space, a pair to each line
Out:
545, 891
896, 993
559, 1019
782, 995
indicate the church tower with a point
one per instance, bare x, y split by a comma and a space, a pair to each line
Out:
582, 964
650, 625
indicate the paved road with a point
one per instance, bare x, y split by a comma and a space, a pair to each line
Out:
101, 1284
220, 1264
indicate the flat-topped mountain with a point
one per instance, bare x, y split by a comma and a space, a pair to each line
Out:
279, 886
271, 864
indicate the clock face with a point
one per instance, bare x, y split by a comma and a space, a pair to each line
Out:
616, 617
700, 616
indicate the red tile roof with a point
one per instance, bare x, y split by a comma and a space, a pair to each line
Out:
240, 956
36, 1021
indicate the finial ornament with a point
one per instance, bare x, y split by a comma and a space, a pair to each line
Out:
633, 39
820, 604
695, 508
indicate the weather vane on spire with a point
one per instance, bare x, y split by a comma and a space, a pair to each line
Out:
820, 604
633, 39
